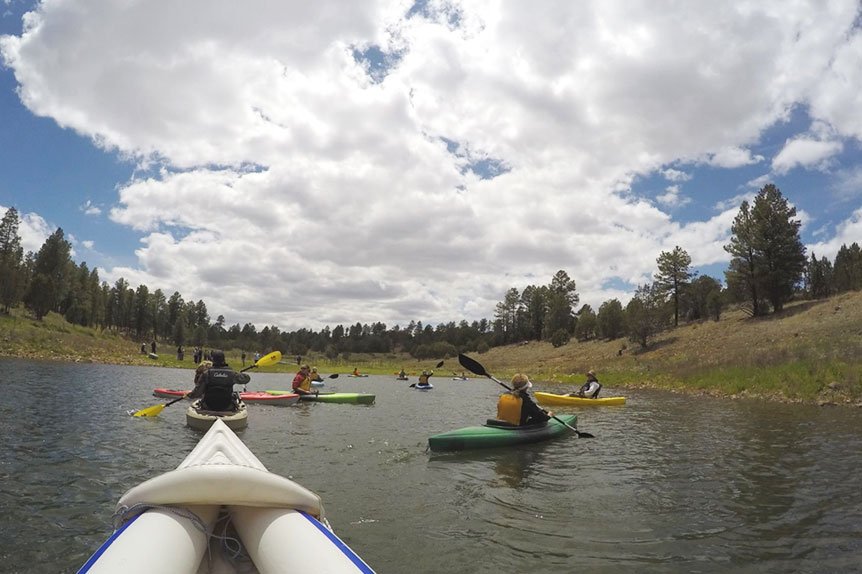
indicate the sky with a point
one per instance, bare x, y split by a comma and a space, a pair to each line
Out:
303, 164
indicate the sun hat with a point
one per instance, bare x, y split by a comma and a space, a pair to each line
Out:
521, 381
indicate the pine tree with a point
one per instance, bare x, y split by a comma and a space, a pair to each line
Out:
674, 276
645, 314
781, 252
741, 275
848, 268
587, 324
50, 275
611, 320
768, 255
12, 270
818, 278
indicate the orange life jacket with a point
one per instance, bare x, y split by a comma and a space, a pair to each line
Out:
305, 385
509, 408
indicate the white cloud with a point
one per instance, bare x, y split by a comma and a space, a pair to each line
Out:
89, 209
88, 244
732, 157
846, 233
290, 188
759, 182
806, 153
672, 197
675, 175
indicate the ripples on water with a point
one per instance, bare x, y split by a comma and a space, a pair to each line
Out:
669, 484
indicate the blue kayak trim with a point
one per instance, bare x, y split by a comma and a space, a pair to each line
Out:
345, 549
107, 544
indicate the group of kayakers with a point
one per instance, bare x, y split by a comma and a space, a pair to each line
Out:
518, 407
214, 382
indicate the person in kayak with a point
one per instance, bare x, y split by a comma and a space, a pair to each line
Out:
517, 407
590, 389
356, 372
423, 379
214, 384
302, 381
315, 376
402, 374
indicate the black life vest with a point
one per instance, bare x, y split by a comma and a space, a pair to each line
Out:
218, 395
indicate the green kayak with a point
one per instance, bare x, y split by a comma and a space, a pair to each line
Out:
490, 435
353, 398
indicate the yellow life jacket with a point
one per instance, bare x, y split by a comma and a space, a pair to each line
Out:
509, 408
305, 385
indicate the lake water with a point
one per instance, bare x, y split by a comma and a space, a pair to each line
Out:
671, 483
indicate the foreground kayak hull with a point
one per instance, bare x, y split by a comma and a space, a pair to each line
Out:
485, 436
565, 400
202, 420
350, 398
259, 397
174, 522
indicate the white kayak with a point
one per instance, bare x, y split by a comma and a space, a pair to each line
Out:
200, 419
189, 520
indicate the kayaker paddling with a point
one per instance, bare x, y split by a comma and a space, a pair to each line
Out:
590, 389
517, 407
214, 384
302, 382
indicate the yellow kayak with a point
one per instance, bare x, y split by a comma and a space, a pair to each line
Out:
566, 400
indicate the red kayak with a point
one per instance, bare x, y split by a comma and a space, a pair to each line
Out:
246, 396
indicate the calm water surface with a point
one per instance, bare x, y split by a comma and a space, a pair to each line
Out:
669, 484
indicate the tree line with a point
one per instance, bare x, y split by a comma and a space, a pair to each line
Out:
768, 268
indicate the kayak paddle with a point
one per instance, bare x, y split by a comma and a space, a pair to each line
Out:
264, 361
440, 364
477, 369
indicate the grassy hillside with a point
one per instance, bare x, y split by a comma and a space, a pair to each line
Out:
811, 352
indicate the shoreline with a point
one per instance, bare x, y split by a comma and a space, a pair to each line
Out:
677, 387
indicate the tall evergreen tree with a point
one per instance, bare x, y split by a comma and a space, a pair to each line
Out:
695, 304
848, 268
780, 249
674, 276
587, 325
506, 313
645, 314
742, 273
818, 278
12, 270
50, 275
562, 296
611, 319
768, 255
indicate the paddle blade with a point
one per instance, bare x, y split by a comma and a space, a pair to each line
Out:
585, 435
150, 411
269, 359
333, 376
440, 364
471, 365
